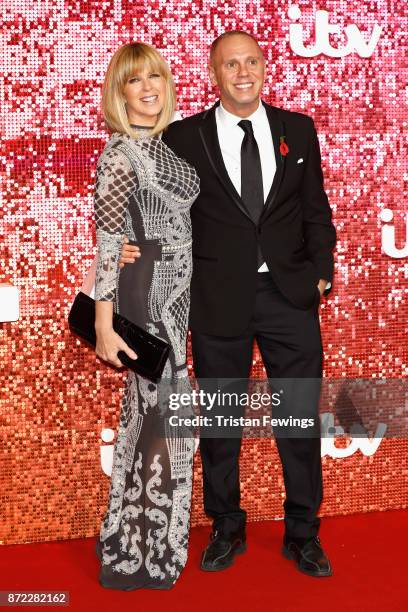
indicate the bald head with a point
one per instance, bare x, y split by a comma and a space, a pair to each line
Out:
237, 67
228, 34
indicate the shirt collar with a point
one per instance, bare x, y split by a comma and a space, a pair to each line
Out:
230, 120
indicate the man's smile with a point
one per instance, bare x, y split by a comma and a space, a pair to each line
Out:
243, 86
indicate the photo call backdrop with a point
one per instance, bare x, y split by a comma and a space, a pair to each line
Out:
342, 62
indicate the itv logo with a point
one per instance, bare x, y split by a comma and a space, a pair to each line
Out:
367, 446
323, 29
106, 450
388, 235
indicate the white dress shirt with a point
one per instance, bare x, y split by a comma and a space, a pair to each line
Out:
230, 137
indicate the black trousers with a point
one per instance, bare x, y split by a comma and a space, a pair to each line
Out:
290, 344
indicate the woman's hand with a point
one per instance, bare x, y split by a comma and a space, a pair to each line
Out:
129, 253
109, 343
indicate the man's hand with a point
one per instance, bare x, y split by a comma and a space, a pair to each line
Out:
322, 285
129, 253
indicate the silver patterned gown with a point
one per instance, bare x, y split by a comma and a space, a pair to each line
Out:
145, 191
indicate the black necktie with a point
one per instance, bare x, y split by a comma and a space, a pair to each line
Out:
251, 177
251, 172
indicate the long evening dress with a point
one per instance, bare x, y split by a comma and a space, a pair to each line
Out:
145, 191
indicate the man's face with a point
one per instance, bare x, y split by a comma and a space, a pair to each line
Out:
238, 69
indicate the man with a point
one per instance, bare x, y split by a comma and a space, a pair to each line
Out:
262, 258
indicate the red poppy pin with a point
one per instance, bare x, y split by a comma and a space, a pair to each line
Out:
283, 148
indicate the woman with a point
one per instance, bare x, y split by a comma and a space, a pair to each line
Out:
145, 191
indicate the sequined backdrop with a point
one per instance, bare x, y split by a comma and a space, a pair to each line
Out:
55, 397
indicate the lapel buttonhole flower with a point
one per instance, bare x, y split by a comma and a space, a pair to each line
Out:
283, 148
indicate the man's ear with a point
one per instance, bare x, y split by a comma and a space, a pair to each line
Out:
212, 76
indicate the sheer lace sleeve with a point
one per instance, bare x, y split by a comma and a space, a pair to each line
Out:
115, 182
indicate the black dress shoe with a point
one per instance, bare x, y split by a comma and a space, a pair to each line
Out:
221, 551
309, 556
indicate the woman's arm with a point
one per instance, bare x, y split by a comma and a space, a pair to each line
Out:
115, 181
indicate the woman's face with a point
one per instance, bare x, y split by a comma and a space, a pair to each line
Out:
145, 94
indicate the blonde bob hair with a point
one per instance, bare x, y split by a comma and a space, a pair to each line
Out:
127, 61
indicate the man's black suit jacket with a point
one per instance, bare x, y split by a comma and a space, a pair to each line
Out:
295, 232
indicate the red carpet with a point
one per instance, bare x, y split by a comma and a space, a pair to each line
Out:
368, 553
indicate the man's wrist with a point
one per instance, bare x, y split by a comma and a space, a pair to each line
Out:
323, 285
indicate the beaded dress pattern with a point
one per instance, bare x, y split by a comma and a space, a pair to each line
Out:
145, 191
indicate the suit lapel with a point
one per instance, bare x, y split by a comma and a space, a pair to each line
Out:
209, 137
277, 129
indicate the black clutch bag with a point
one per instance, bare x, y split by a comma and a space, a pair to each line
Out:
151, 352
